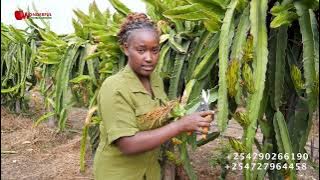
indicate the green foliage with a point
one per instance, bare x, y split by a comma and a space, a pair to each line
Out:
220, 158
283, 140
224, 46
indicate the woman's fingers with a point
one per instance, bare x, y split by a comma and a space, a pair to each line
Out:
199, 130
209, 118
203, 124
202, 130
205, 113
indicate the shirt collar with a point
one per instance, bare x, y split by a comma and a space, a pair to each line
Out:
135, 84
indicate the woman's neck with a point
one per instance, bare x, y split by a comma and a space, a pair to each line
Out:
144, 79
146, 84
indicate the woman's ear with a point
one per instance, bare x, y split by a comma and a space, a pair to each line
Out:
125, 48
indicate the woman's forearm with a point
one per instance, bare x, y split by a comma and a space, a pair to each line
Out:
148, 140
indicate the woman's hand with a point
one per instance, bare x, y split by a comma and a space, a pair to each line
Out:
147, 140
195, 121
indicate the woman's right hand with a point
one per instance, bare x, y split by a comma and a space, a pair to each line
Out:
195, 121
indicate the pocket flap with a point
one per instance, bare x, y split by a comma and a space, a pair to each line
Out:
143, 109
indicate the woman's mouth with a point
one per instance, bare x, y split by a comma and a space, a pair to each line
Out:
147, 68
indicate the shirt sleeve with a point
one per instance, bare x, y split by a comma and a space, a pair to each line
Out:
117, 115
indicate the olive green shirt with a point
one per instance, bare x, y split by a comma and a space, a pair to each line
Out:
122, 98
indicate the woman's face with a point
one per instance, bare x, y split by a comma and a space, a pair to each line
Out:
142, 49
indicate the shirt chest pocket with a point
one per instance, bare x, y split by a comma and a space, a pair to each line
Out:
144, 108
149, 116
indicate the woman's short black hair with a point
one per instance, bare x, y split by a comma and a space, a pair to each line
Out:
133, 22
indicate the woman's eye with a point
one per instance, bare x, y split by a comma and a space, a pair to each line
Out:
155, 50
140, 50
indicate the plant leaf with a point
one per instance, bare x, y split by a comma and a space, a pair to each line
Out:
285, 18
258, 13
120, 7
223, 63
43, 117
188, 12
283, 139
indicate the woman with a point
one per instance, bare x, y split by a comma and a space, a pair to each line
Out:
126, 152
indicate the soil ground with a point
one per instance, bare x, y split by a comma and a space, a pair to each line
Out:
41, 152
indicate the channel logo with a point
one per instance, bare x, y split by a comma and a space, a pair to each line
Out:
21, 15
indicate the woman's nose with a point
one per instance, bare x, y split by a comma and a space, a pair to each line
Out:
148, 57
